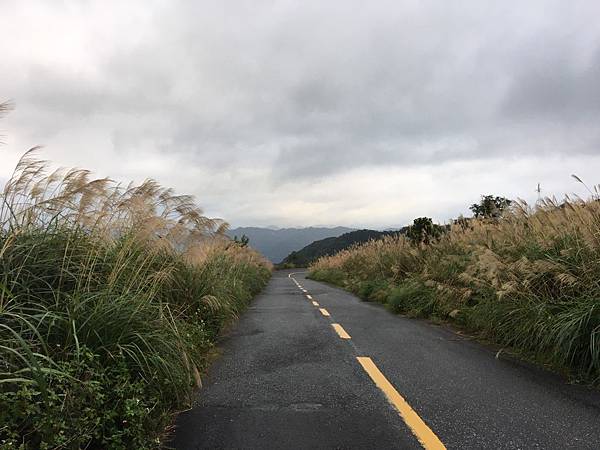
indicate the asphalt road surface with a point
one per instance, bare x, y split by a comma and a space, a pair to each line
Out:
310, 366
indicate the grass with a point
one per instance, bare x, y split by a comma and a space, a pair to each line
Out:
111, 297
529, 281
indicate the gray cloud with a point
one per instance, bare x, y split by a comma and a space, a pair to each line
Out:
556, 86
249, 103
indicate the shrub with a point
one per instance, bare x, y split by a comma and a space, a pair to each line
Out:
86, 403
110, 299
333, 276
528, 278
412, 298
372, 290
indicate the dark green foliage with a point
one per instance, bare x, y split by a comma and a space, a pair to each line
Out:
412, 298
490, 206
336, 277
102, 340
366, 288
243, 241
423, 231
373, 290
87, 404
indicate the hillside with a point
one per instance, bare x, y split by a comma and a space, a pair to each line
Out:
276, 244
332, 245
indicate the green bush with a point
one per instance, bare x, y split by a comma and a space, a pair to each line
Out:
527, 279
98, 356
412, 298
336, 277
86, 403
110, 300
376, 290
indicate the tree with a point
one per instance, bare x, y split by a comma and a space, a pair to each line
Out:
490, 206
423, 231
243, 241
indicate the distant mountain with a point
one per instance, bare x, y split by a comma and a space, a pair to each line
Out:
276, 244
332, 245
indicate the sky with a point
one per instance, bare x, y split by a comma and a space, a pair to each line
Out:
298, 113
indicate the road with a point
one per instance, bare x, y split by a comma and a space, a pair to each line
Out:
288, 378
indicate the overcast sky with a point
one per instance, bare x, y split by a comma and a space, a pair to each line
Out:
310, 112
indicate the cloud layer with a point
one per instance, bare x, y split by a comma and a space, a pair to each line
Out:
296, 113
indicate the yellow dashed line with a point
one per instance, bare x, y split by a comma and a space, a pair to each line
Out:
340, 331
419, 428
423, 433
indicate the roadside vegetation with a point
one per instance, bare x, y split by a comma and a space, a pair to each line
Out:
525, 278
111, 298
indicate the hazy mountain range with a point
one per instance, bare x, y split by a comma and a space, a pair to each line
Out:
276, 244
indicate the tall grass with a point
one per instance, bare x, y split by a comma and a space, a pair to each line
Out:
530, 280
110, 299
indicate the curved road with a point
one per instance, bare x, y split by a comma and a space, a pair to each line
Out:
309, 366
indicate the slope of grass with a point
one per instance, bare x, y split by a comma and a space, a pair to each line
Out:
529, 281
110, 298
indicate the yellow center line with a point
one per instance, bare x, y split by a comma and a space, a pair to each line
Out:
315, 303
423, 433
324, 312
340, 331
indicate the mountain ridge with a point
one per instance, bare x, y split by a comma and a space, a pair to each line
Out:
332, 245
276, 244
